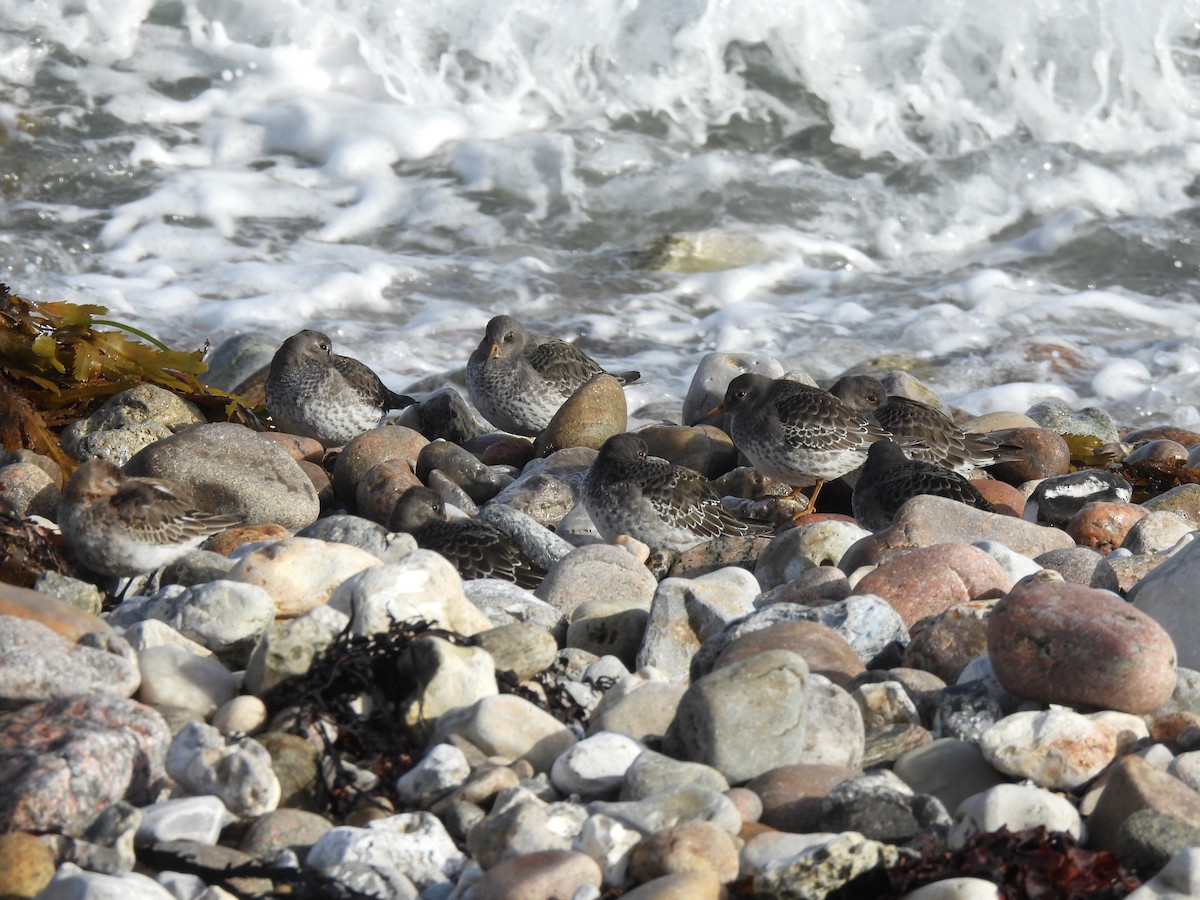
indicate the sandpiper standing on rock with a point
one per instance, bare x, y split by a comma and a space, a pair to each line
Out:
943, 441
518, 380
122, 526
653, 500
476, 549
314, 392
794, 432
889, 479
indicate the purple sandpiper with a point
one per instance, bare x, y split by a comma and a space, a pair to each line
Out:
518, 379
889, 479
121, 526
794, 432
943, 441
314, 392
653, 500
476, 549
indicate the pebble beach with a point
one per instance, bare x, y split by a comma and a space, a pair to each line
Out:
965, 704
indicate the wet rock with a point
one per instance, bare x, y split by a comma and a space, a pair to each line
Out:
929, 580
1060, 418
589, 417
367, 450
1103, 525
702, 448
1069, 644
381, 487
443, 414
1045, 454
1056, 500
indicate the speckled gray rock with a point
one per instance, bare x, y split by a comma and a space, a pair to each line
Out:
506, 604
653, 773
644, 712
353, 530
687, 611
236, 359
80, 594
28, 490
834, 735
598, 572
414, 844
520, 823
37, 664
1062, 419
1081, 565
809, 545
816, 872
539, 543
547, 489
1168, 596
227, 468
510, 727
287, 648
521, 648
1155, 532
239, 772
1149, 839
129, 421
715, 725
227, 617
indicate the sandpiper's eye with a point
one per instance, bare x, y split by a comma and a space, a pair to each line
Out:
508, 338
324, 346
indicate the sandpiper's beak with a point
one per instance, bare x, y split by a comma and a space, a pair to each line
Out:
715, 411
494, 352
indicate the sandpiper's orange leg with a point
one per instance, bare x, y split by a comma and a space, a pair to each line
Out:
812, 499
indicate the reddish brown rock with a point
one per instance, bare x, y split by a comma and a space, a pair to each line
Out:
1044, 454
1157, 451
926, 520
380, 488
1182, 436
61, 617
545, 875
1102, 525
944, 644
692, 847
791, 795
1005, 498
1078, 646
231, 538
297, 447
508, 451
371, 448
320, 481
928, 580
826, 652
1133, 785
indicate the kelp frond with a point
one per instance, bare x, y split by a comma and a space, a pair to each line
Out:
59, 361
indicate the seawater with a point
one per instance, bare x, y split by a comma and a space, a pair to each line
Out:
1000, 196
